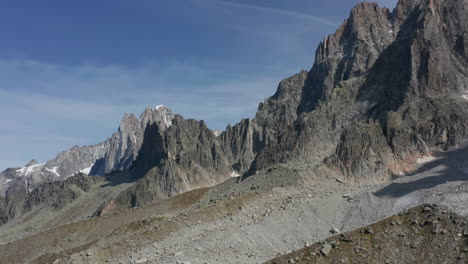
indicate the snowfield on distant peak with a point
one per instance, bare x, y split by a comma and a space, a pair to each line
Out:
465, 95
26, 171
54, 171
86, 170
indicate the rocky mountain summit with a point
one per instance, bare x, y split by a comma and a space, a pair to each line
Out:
386, 89
55, 195
378, 125
124, 144
116, 153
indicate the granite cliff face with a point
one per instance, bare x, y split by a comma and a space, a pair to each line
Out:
183, 157
124, 144
55, 195
385, 88
116, 153
189, 155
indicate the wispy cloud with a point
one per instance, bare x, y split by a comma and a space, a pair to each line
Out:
59, 106
281, 32
47, 107
276, 11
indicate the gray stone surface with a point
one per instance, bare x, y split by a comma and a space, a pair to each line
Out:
116, 153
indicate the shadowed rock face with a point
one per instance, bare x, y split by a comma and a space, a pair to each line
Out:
188, 155
50, 194
245, 140
116, 153
386, 86
183, 157
63, 166
126, 142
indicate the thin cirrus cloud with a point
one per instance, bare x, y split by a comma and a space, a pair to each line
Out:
47, 107
78, 105
276, 11
279, 30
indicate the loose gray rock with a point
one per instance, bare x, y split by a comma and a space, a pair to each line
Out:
326, 249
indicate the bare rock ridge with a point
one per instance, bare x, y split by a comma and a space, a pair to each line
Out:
188, 155
116, 153
54, 194
385, 89
183, 157
126, 142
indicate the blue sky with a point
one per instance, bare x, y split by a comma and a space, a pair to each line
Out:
69, 70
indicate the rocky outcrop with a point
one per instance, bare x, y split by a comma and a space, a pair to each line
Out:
183, 157
424, 234
116, 153
386, 86
126, 142
54, 195
67, 163
245, 140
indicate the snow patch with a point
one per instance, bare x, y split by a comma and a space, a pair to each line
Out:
7, 181
234, 174
425, 159
54, 171
26, 171
217, 132
166, 114
465, 96
86, 170
166, 120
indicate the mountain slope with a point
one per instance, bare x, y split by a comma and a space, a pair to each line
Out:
384, 89
184, 157
425, 234
126, 142
386, 92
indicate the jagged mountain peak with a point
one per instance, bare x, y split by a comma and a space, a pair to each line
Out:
31, 163
124, 145
160, 114
387, 90
378, 79
116, 153
161, 107
359, 108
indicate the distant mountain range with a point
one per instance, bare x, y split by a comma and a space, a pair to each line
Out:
387, 96
386, 89
116, 153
